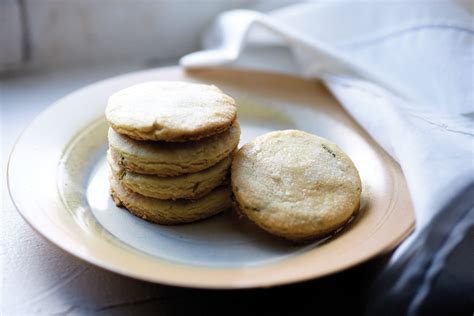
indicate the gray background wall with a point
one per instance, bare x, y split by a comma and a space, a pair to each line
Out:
55, 33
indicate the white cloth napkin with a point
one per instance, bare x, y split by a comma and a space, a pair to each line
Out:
405, 72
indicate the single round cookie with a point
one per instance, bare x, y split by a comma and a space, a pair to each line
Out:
170, 111
295, 185
188, 186
173, 159
171, 212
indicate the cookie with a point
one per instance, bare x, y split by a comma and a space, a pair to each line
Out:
170, 111
189, 186
295, 185
171, 212
173, 159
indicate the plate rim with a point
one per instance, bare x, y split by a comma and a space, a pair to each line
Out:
157, 278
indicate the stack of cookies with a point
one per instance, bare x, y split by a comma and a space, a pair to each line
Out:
170, 147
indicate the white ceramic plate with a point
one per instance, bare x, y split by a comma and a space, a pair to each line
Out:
58, 180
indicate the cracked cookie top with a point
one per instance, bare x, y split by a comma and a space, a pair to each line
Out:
170, 111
